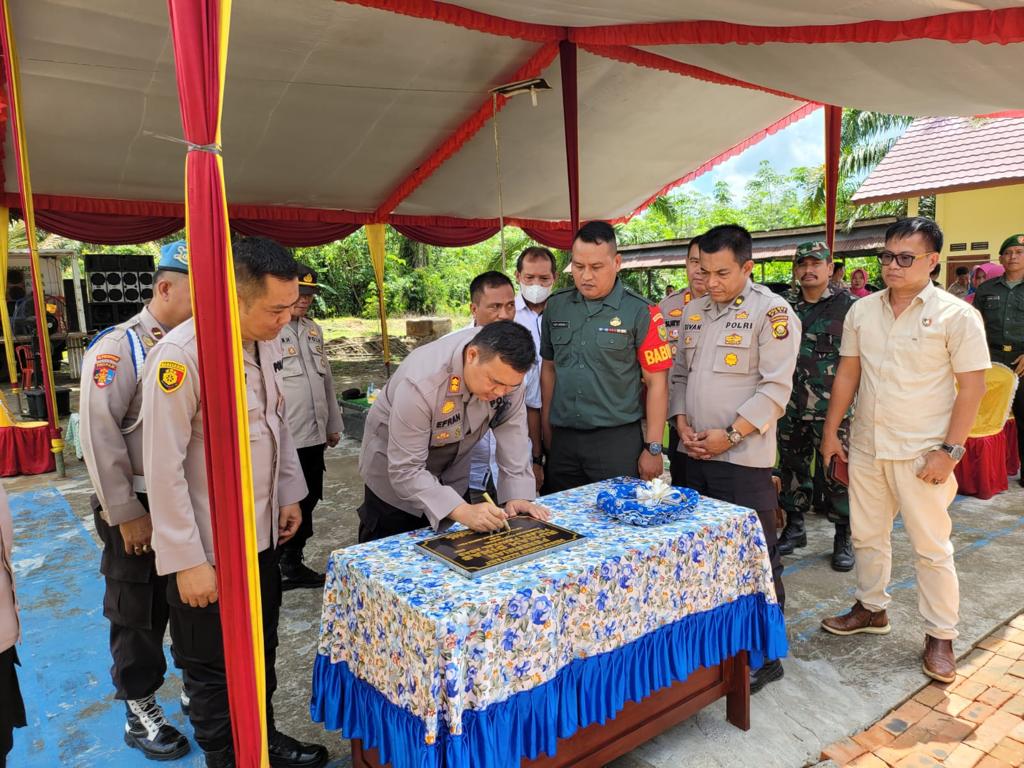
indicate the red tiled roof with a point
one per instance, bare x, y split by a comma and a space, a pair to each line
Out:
944, 154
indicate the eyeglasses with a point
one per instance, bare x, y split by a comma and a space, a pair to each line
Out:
885, 258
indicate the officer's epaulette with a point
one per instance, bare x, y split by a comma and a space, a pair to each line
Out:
636, 295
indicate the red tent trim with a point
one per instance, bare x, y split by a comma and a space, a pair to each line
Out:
629, 55
1003, 26
794, 116
532, 68
463, 17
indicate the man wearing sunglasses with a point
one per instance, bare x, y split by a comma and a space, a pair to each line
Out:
915, 357
1001, 303
421, 430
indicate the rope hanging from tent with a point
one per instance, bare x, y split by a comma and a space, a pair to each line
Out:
13, 75
199, 31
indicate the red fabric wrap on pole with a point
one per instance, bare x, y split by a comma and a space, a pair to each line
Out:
196, 36
833, 143
570, 120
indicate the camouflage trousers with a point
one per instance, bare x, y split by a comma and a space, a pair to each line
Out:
799, 451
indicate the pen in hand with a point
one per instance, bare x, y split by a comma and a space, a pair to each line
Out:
489, 500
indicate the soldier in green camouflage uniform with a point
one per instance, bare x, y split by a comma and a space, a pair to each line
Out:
821, 309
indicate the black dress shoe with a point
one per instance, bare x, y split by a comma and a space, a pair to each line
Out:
222, 758
769, 673
286, 752
147, 730
295, 574
842, 550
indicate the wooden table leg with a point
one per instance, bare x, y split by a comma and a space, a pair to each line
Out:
737, 701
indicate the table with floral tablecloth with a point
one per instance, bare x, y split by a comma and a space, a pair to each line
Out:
434, 669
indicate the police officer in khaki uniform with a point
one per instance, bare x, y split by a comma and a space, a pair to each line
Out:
135, 602
731, 381
421, 430
599, 342
173, 452
314, 420
672, 308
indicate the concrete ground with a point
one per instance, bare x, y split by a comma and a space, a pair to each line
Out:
833, 686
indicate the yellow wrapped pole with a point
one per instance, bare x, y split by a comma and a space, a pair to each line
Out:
375, 237
10, 60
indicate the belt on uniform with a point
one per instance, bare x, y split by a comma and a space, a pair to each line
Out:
138, 483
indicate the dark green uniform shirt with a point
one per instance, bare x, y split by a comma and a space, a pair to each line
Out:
1002, 309
598, 348
816, 364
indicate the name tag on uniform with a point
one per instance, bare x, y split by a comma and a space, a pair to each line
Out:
559, 323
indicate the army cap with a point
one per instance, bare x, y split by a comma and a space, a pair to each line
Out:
173, 257
1011, 241
308, 284
815, 249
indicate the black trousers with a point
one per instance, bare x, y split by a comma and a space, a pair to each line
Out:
676, 459
12, 708
135, 604
748, 487
378, 519
311, 459
582, 456
197, 647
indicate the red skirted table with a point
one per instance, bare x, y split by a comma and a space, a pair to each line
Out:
25, 449
989, 461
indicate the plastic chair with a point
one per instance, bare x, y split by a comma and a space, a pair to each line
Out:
27, 363
984, 469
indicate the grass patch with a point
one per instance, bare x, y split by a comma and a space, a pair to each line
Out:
363, 328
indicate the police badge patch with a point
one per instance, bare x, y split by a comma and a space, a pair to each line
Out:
171, 375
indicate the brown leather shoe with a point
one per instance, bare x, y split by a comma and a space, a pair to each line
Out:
859, 619
939, 661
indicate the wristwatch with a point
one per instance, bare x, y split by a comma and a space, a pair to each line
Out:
956, 452
654, 449
539, 460
734, 437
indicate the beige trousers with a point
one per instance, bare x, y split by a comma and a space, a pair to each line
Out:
879, 490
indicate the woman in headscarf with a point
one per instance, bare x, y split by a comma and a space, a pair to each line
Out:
859, 283
979, 275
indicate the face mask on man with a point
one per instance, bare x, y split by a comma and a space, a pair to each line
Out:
535, 294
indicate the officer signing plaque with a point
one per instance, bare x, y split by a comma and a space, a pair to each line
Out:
473, 554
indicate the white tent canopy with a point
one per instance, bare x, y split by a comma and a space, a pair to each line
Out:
331, 107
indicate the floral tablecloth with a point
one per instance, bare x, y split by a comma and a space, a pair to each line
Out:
434, 669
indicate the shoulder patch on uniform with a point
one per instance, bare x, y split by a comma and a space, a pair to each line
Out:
171, 375
103, 373
777, 311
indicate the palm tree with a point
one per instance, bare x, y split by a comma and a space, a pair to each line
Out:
866, 138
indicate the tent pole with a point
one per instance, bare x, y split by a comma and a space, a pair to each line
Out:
570, 120
833, 142
375, 239
11, 71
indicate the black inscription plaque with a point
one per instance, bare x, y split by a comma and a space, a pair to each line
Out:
473, 554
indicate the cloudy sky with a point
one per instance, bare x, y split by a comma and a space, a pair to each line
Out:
802, 143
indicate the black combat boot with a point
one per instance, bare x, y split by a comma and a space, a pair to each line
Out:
286, 752
768, 673
147, 730
842, 549
295, 574
793, 535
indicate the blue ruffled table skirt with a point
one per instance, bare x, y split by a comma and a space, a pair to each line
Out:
433, 670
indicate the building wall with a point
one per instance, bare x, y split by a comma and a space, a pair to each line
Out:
977, 216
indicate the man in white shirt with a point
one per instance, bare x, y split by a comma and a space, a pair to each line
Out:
536, 269
915, 357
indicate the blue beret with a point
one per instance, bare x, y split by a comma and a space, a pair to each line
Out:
174, 257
